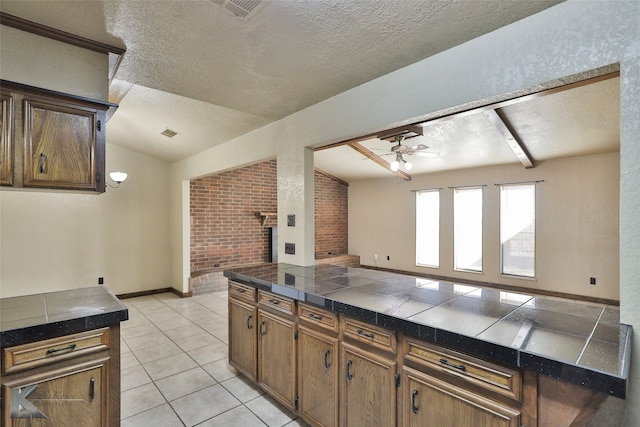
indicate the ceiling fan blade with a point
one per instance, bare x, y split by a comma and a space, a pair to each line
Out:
418, 147
425, 154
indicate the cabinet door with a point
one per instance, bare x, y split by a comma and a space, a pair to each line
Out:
368, 388
428, 401
276, 357
6, 126
61, 145
242, 337
69, 398
318, 377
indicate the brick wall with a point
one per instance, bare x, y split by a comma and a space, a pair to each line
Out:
225, 230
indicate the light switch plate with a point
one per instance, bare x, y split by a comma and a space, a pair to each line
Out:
290, 248
291, 220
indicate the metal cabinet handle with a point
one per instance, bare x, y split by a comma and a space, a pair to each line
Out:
447, 363
274, 301
57, 350
414, 408
249, 322
349, 375
42, 164
327, 364
262, 332
315, 316
361, 332
241, 291
92, 389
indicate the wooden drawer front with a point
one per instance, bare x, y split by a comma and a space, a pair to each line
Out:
318, 316
242, 292
27, 356
276, 302
373, 335
496, 378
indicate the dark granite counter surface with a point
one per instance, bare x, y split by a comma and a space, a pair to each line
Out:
581, 343
36, 317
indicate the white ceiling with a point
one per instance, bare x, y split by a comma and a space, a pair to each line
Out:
195, 68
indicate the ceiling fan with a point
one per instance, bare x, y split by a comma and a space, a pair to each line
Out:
400, 151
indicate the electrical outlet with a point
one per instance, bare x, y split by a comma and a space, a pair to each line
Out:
100, 280
592, 280
388, 258
291, 220
290, 248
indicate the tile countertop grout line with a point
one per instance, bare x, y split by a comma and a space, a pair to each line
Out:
593, 331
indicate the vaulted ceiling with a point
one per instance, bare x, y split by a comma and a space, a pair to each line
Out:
198, 69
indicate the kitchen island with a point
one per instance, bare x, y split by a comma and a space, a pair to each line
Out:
523, 353
61, 358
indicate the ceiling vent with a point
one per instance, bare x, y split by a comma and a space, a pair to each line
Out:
169, 133
243, 9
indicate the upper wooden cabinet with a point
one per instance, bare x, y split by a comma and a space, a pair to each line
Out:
57, 140
6, 155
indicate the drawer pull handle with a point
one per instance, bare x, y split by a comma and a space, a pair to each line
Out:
326, 359
241, 291
274, 301
349, 375
361, 332
262, 331
92, 389
315, 317
446, 363
249, 322
57, 350
42, 163
414, 408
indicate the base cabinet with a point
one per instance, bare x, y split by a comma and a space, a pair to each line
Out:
428, 401
71, 397
368, 388
318, 378
276, 357
242, 337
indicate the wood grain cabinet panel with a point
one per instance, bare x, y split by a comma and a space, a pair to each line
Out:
277, 357
368, 388
428, 401
242, 337
6, 134
318, 377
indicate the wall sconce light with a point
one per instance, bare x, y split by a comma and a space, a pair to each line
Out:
118, 178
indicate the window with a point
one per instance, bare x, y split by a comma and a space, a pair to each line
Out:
428, 228
518, 229
467, 228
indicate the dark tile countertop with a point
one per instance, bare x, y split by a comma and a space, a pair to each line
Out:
580, 343
37, 317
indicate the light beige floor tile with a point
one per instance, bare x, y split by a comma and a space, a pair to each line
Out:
210, 353
220, 370
161, 416
183, 331
297, 423
239, 416
269, 411
171, 365
184, 383
128, 360
151, 339
204, 404
134, 322
196, 341
172, 323
241, 389
222, 333
124, 348
133, 377
156, 352
140, 399
138, 331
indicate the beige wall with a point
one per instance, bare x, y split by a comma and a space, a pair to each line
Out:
42, 62
577, 227
54, 240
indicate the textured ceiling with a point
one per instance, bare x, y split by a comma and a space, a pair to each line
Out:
197, 69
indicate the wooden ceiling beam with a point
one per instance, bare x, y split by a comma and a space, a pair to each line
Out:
379, 160
512, 139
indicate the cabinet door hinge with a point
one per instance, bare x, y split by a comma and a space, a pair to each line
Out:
295, 335
397, 378
99, 125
